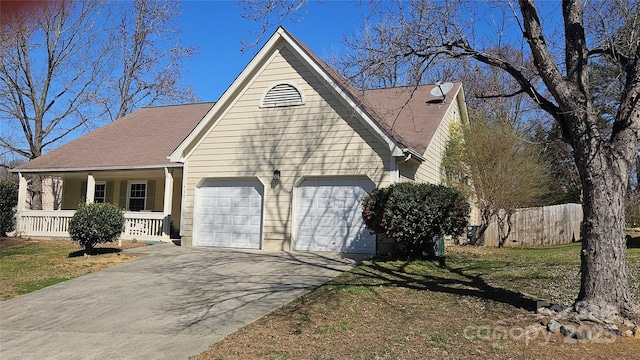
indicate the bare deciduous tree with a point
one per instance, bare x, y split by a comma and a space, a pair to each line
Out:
268, 14
148, 73
562, 44
48, 75
37, 50
62, 61
496, 167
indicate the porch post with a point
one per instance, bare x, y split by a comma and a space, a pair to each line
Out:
91, 188
168, 200
22, 199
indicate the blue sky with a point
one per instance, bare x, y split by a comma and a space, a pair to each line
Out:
217, 27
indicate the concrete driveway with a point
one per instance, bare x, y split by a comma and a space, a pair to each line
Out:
170, 304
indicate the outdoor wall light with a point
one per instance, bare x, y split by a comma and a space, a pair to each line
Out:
276, 174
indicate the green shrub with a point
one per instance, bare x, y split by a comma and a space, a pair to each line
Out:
415, 215
8, 202
96, 223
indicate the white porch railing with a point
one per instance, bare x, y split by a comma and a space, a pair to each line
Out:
45, 223
138, 225
143, 226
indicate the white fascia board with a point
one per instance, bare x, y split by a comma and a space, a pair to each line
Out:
228, 98
393, 146
104, 168
462, 114
462, 103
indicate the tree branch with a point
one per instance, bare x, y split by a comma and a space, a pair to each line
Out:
612, 54
525, 85
498, 96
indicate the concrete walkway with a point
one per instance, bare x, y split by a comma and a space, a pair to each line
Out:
170, 304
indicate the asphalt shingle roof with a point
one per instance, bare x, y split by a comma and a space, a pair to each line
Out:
142, 139
410, 115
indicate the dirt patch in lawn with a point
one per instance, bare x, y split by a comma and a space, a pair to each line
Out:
479, 305
27, 264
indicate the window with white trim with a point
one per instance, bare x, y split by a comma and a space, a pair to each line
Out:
282, 95
137, 195
100, 193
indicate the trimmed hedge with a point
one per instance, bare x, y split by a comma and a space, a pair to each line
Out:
96, 223
8, 202
415, 215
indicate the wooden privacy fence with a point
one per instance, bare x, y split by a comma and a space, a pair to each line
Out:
549, 225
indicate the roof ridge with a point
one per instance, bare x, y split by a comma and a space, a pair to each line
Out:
168, 105
406, 86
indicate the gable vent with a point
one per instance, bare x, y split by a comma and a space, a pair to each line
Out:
282, 95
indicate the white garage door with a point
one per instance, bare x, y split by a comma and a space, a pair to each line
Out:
329, 216
229, 214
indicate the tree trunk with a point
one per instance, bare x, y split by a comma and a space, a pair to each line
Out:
36, 192
605, 291
478, 236
504, 228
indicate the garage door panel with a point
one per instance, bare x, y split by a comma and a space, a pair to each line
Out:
304, 242
230, 214
241, 203
238, 240
328, 216
256, 203
241, 220
322, 205
326, 242
256, 220
207, 227
222, 238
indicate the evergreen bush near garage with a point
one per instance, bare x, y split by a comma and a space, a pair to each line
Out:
415, 215
8, 202
96, 223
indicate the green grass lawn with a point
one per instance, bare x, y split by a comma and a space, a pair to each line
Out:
27, 265
391, 309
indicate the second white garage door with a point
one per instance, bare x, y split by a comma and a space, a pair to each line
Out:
229, 213
329, 216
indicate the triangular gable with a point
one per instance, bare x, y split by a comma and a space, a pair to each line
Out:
281, 38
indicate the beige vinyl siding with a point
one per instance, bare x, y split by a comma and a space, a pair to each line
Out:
320, 138
429, 170
71, 194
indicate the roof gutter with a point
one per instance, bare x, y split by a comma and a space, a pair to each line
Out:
107, 168
410, 154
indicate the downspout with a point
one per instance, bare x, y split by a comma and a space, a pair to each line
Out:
394, 172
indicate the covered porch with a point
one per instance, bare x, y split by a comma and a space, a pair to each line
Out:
150, 199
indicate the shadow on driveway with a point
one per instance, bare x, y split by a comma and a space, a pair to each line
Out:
169, 304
